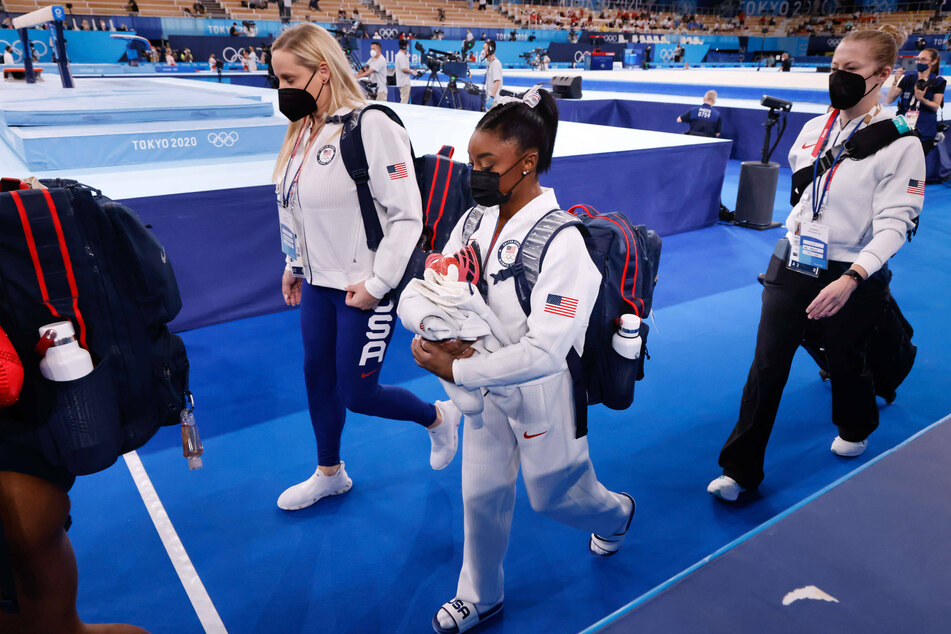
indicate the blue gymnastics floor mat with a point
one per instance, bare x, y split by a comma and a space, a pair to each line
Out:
124, 122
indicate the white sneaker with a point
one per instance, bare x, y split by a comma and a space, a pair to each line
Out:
315, 487
607, 546
445, 436
848, 449
725, 488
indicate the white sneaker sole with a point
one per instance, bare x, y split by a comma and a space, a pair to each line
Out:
323, 495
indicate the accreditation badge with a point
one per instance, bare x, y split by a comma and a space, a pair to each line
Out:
809, 250
290, 245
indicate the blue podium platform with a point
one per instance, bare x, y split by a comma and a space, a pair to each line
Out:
130, 121
867, 554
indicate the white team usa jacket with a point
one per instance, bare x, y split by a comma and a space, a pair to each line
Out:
330, 233
562, 299
870, 203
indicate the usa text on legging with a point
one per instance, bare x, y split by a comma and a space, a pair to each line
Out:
344, 348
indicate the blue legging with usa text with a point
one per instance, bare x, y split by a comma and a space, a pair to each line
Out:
344, 348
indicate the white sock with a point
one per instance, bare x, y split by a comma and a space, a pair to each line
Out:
445, 620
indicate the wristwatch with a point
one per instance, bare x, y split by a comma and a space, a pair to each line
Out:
855, 275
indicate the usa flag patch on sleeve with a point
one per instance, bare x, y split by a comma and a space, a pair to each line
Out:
561, 305
916, 187
397, 171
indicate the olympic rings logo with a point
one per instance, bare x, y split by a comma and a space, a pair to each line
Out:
223, 139
17, 47
387, 33
580, 55
666, 54
834, 41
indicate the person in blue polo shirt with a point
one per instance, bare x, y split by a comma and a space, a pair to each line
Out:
703, 120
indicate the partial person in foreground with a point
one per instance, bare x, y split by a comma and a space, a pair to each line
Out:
341, 284
34, 517
529, 409
832, 266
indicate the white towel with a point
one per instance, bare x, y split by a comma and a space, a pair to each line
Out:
440, 307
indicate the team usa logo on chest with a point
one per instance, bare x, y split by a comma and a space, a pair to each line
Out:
508, 251
326, 154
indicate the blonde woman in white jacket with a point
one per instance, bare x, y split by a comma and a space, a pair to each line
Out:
342, 286
860, 210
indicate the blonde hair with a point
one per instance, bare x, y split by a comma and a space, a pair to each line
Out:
314, 46
884, 42
710, 94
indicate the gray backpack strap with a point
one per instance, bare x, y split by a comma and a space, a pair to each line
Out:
473, 220
533, 248
531, 253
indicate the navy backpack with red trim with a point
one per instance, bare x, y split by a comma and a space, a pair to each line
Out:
443, 187
68, 253
627, 256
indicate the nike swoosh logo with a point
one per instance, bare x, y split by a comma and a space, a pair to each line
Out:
366, 374
534, 435
806, 147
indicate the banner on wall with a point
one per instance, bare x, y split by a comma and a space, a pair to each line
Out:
227, 49
82, 47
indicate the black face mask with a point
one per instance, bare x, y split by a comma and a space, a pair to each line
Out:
297, 103
922, 67
485, 186
847, 89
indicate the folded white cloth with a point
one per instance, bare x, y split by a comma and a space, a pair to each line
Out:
440, 307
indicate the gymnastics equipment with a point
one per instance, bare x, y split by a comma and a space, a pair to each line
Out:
55, 14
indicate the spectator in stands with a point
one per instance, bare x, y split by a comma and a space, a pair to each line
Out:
314, 4
341, 14
482, 5
403, 71
8, 55
704, 120
922, 95
866, 207
198, 7
375, 70
132, 8
233, 31
84, 26
493, 74
440, 14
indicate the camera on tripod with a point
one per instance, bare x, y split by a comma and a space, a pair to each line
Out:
535, 57
450, 63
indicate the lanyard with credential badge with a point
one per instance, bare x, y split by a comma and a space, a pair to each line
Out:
816, 177
286, 195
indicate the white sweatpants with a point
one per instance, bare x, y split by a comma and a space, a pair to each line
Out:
532, 426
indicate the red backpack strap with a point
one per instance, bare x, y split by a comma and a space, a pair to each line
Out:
43, 228
447, 151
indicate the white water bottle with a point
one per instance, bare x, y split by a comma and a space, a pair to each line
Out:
627, 341
64, 359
